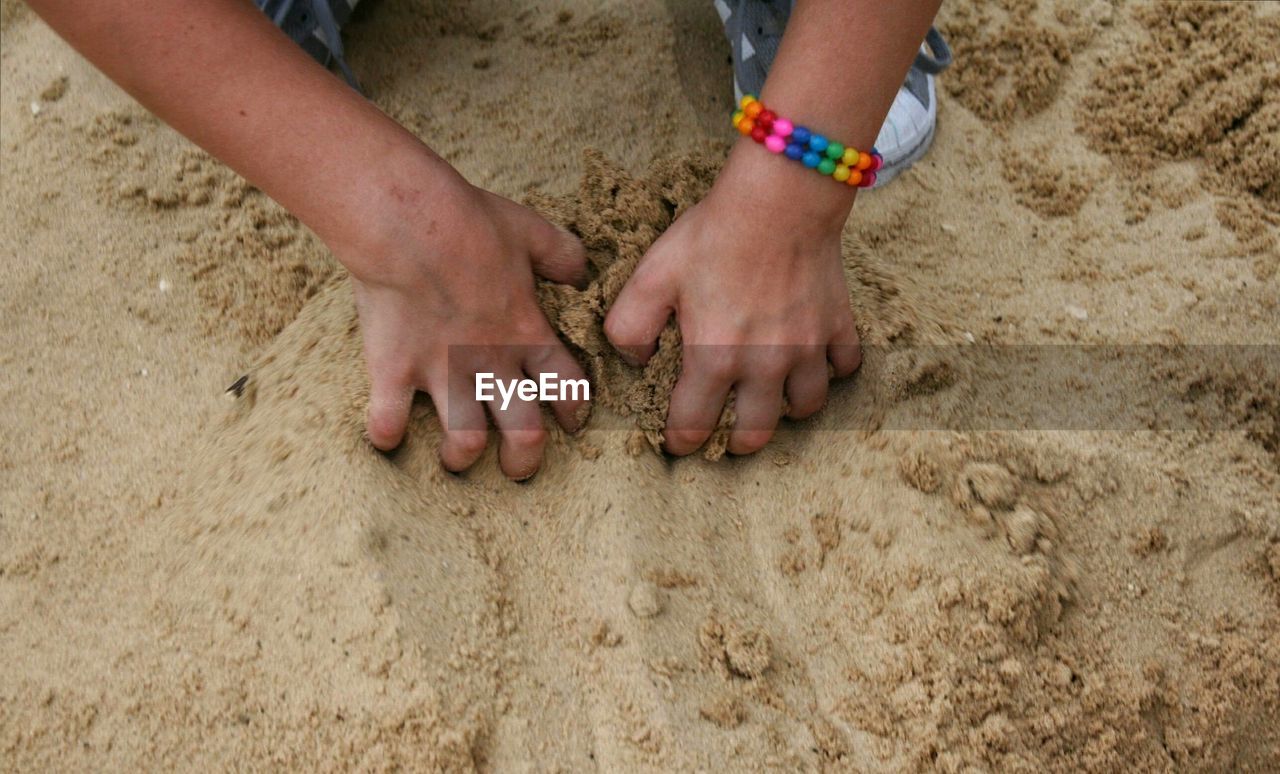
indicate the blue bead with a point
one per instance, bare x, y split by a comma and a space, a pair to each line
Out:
800, 134
794, 151
818, 143
811, 159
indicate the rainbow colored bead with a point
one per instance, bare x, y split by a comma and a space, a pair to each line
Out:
798, 143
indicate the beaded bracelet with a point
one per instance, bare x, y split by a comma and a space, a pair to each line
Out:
844, 164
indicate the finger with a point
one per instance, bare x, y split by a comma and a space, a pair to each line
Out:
698, 398
555, 254
844, 351
807, 385
638, 315
520, 423
758, 405
390, 398
462, 418
553, 364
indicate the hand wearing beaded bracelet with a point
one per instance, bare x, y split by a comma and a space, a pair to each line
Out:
778, 135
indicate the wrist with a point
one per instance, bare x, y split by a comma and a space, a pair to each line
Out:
373, 219
787, 195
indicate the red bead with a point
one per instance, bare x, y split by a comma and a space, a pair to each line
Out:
766, 119
758, 133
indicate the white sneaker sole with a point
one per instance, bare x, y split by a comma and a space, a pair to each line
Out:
887, 173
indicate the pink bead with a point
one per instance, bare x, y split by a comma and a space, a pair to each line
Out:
877, 161
782, 127
775, 144
868, 179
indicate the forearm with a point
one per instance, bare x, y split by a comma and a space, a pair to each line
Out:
841, 63
839, 67
220, 73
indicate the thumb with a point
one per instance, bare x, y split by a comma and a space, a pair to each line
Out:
637, 316
556, 254
389, 403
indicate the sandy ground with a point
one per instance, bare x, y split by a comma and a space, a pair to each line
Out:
189, 579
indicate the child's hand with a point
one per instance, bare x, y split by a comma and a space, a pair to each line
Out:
454, 265
754, 270
435, 262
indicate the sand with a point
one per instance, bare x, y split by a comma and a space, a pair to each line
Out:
196, 578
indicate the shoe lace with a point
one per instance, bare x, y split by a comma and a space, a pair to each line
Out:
941, 53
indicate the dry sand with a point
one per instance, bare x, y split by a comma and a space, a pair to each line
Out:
189, 579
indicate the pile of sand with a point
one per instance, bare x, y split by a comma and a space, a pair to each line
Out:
192, 579
1196, 86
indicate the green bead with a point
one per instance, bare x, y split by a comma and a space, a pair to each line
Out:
835, 150
826, 166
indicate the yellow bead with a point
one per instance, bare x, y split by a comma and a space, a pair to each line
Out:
747, 99
753, 109
850, 157
841, 174
737, 117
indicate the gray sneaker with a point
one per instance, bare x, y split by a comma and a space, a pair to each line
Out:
754, 29
316, 25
